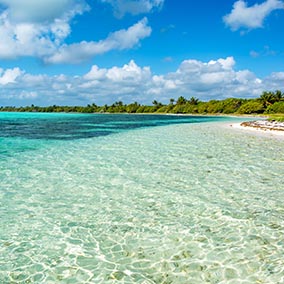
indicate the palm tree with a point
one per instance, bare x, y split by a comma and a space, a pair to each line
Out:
267, 98
278, 95
193, 101
181, 100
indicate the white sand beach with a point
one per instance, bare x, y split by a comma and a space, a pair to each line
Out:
262, 127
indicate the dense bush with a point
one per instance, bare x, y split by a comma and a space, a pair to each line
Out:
251, 107
268, 102
277, 107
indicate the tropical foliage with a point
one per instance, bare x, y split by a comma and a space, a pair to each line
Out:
267, 103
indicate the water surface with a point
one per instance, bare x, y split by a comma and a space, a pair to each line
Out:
180, 203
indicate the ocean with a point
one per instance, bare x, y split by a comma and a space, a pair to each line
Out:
101, 198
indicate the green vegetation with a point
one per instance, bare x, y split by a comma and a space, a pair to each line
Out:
268, 103
277, 117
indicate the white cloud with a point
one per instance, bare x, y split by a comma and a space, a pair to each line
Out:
40, 28
123, 83
252, 17
275, 81
41, 11
134, 7
35, 28
197, 68
9, 76
95, 73
162, 85
120, 40
129, 72
216, 79
27, 95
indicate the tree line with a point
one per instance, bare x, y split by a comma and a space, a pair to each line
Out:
266, 103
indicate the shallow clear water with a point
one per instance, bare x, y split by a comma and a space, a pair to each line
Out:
179, 203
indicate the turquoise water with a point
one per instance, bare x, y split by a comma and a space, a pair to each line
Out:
138, 199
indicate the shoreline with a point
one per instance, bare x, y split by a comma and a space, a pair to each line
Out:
261, 127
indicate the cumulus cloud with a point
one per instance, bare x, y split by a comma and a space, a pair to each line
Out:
134, 7
252, 17
36, 28
122, 39
129, 73
40, 28
215, 79
40, 11
126, 83
9, 76
203, 79
274, 80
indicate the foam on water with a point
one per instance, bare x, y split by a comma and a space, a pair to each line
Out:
195, 203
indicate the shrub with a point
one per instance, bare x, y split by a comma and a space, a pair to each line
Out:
276, 108
251, 107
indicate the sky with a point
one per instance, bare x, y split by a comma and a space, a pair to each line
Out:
79, 52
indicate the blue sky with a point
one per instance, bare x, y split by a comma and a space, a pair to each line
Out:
76, 52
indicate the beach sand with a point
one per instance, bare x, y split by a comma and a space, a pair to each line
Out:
262, 128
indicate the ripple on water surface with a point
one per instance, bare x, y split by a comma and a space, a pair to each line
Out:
174, 204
